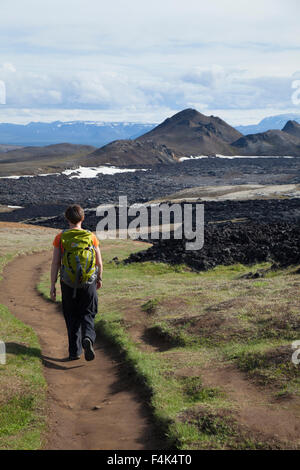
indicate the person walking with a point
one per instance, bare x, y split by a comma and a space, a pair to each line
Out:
77, 256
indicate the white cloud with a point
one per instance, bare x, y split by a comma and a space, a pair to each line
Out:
205, 89
140, 57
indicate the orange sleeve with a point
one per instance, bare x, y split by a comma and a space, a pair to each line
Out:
56, 241
95, 241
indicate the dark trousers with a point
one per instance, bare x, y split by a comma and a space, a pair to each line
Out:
79, 313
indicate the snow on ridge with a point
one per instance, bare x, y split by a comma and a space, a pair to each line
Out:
231, 157
182, 159
253, 156
82, 172
102, 123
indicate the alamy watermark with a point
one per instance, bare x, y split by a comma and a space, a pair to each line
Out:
2, 353
296, 353
296, 93
152, 222
2, 92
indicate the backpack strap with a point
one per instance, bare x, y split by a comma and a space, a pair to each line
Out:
78, 270
63, 231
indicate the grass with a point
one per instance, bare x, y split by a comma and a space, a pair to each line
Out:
193, 321
23, 388
22, 384
271, 366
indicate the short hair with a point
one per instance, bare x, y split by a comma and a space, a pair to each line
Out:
74, 214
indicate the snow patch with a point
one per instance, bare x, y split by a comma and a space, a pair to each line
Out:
82, 172
92, 172
231, 157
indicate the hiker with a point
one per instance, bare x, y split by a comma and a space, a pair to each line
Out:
77, 256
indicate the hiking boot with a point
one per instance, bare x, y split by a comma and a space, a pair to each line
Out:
73, 358
89, 352
69, 358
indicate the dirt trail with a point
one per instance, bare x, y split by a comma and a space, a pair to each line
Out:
120, 420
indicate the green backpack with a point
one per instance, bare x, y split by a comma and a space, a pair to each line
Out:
79, 260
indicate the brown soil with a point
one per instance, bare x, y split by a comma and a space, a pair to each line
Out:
92, 405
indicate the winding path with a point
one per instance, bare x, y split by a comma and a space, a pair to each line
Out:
92, 405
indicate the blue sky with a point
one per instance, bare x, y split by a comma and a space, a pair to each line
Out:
143, 61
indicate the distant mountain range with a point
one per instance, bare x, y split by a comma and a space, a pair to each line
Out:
98, 134
268, 123
74, 132
192, 133
187, 133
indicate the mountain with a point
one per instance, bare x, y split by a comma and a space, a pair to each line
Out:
271, 122
192, 133
184, 134
293, 128
32, 160
130, 153
272, 142
75, 132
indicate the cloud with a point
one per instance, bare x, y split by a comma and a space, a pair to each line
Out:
216, 87
234, 89
145, 58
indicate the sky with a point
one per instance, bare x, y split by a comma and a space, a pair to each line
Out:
143, 61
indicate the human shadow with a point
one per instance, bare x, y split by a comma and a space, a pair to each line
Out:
22, 350
56, 359
50, 363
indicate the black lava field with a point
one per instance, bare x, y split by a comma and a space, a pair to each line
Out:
235, 231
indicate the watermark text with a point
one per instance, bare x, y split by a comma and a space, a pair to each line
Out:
152, 222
